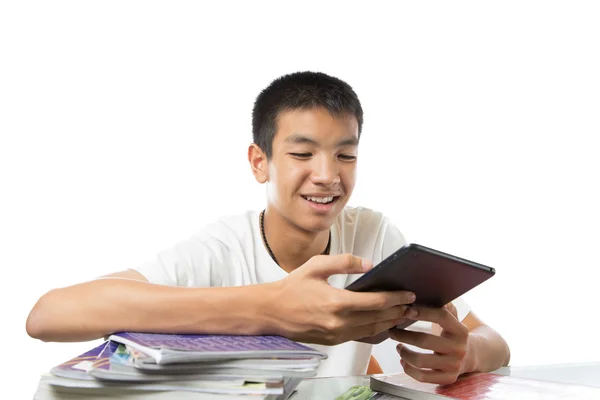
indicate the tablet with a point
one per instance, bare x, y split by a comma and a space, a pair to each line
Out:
436, 278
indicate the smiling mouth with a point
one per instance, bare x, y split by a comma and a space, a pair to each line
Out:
321, 200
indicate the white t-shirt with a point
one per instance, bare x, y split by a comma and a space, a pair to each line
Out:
230, 252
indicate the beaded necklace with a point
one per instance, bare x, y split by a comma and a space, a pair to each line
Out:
262, 231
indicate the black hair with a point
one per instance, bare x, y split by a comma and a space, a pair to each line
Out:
300, 90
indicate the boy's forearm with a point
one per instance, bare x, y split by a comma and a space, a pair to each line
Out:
98, 308
489, 351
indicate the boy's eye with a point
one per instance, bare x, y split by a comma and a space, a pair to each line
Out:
347, 157
301, 155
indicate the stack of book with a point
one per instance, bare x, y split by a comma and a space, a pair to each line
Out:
477, 386
224, 366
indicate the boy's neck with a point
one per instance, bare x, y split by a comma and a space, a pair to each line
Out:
290, 245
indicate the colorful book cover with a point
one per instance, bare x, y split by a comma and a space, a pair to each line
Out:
106, 355
78, 367
482, 386
183, 347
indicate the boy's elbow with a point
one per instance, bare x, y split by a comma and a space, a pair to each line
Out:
34, 329
507, 354
37, 325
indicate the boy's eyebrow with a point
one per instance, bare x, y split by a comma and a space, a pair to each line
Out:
348, 142
298, 138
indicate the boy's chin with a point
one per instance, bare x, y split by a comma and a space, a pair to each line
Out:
317, 224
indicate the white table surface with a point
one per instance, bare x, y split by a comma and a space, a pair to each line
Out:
329, 388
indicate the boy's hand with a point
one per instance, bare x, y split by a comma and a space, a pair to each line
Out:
305, 308
450, 356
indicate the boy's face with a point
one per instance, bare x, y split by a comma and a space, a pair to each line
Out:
312, 171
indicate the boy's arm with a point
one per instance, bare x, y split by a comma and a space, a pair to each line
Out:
488, 350
125, 301
302, 306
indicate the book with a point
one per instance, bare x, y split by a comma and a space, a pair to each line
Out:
125, 359
480, 386
48, 389
94, 371
173, 348
111, 364
210, 364
95, 364
262, 364
76, 368
215, 387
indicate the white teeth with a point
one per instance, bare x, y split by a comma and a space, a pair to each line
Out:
321, 200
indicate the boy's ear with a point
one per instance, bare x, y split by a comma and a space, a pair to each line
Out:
258, 163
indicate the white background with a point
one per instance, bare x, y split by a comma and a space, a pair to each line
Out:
124, 128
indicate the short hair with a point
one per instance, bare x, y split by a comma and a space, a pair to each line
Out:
301, 90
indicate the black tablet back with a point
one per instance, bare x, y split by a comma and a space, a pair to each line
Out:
436, 278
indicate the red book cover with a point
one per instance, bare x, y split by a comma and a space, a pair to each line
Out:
481, 386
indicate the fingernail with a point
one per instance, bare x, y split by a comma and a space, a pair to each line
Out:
411, 313
412, 297
366, 265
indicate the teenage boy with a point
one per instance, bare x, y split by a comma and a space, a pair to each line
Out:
283, 270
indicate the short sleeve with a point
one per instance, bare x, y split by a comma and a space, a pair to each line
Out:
393, 239
462, 307
197, 262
